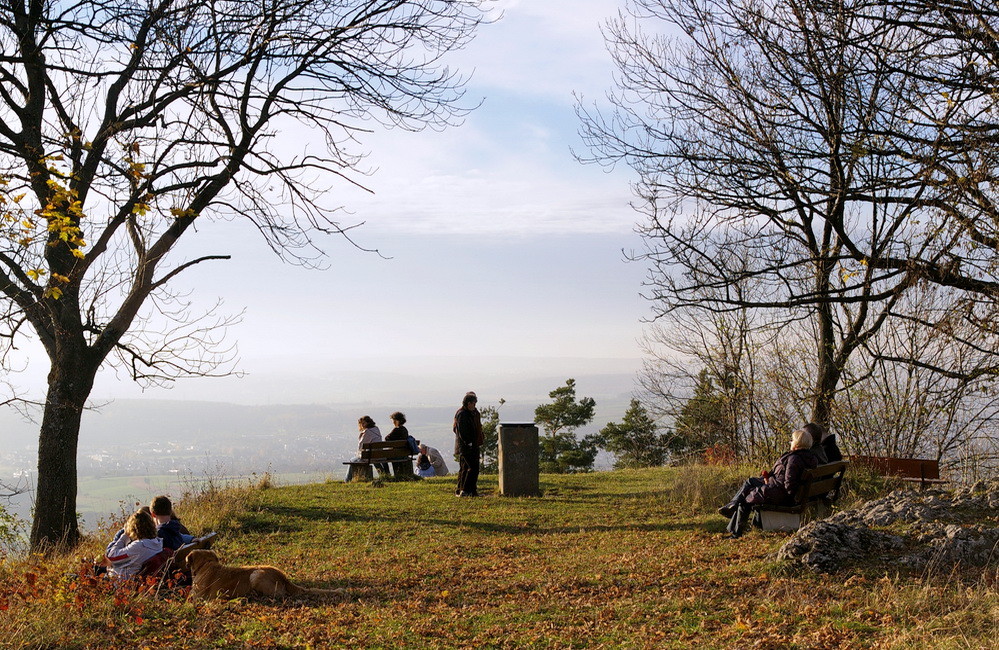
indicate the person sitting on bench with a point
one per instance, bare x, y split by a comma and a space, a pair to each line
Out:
777, 487
367, 432
399, 432
823, 444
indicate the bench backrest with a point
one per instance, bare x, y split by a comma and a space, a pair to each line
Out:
922, 468
822, 481
385, 450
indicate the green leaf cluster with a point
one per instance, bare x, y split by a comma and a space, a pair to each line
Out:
636, 441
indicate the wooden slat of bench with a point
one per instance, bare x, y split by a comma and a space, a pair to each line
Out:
383, 451
918, 468
384, 455
932, 481
825, 485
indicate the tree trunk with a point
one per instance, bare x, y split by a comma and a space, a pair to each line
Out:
55, 521
829, 370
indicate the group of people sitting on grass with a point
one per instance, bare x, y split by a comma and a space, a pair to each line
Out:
810, 447
429, 461
147, 533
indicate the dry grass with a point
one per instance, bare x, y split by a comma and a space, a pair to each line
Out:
615, 559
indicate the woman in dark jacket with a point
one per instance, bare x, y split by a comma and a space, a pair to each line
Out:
468, 431
776, 487
399, 432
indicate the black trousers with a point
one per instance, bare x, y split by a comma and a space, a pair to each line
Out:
740, 515
468, 470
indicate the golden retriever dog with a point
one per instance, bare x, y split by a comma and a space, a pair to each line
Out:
210, 579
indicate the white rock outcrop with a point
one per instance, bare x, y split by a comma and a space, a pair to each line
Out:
935, 529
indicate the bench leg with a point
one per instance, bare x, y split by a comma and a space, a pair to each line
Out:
403, 470
772, 520
359, 473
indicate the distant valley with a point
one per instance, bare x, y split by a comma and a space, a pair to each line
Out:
139, 445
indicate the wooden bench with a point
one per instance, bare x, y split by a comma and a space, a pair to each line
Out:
924, 471
818, 491
379, 454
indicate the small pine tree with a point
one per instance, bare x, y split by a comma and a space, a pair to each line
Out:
636, 442
490, 433
703, 420
561, 452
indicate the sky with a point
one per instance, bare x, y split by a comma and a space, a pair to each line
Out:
500, 253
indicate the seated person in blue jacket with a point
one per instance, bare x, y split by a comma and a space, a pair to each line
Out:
775, 487
436, 460
131, 546
424, 468
168, 526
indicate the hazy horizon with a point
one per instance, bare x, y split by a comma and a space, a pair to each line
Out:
234, 439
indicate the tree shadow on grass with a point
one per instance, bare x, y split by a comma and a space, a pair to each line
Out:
283, 518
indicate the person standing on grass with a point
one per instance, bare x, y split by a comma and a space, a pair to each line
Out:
776, 487
468, 431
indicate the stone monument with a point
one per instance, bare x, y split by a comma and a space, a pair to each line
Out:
518, 460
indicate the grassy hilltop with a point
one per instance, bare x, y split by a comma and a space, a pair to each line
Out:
611, 559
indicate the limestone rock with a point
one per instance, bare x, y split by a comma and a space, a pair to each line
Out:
934, 529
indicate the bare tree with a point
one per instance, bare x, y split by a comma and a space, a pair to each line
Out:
124, 125
760, 132
915, 392
700, 373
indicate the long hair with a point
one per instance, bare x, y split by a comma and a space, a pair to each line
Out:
140, 526
366, 422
